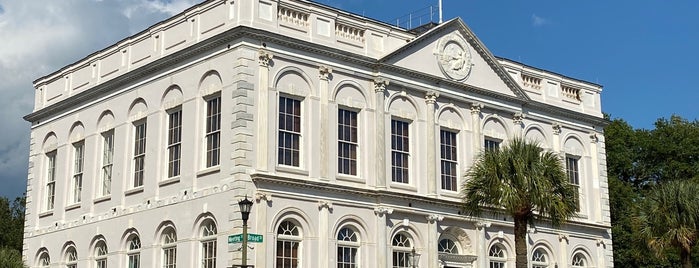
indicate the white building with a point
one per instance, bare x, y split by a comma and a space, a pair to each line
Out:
350, 135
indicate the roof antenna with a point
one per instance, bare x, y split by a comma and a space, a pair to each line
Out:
440, 11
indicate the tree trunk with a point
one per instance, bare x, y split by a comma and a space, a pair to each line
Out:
685, 258
521, 242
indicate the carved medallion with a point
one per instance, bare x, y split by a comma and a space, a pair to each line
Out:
454, 57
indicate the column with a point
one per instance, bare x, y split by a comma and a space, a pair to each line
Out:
563, 250
431, 100
476, 121
432, 240
481, 246
263, 118
518, 120
380, 85
325, 208
595, 193
325, 74
382, 242
261, 251
556, 138
601, 250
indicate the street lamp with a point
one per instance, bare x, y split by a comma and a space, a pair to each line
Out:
245, 207
414, 258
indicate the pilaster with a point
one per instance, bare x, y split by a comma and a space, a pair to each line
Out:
563, 241
433, 239
263, 202
263, 118
481, 248
382, 237
518, 120
556, 137
596, 191
324, 74
325, 208
476, 123
431, 100
380, 85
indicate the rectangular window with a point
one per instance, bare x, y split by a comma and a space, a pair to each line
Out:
170, 257
51, 180
289, 131
574, 177
208, 254
448, 159
213, 131
174, 139
347, 142
347, 257
107, 161
101, 263
135, 260
78, 156
287, 254
400, 151
491, 145
139, 153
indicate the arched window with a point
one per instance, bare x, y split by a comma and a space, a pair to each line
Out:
133, 251
447, 246
402, 250
208, 243
288, 245
169, 244
71, 257
101, 254
497, 256
579, 260
540, 259
347, 248
44, 259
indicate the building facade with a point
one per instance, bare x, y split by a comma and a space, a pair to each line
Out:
351, 136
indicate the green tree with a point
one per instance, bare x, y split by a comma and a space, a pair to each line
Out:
12, 223
10, 258
669, 218
517, 180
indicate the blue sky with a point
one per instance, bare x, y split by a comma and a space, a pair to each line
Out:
643, 52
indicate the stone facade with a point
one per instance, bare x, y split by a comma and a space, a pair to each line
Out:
333, 124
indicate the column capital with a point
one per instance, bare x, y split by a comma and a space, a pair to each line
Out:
481, 225
518, 117
380, 84
259, 196
325, 204
324, 72
556, 128
562, 237
382, 211
593, 137
264, 57
476, 108
431, 97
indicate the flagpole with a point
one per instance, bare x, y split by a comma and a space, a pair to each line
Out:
440, 11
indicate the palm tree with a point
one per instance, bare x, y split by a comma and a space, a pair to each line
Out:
523, 181
669, 217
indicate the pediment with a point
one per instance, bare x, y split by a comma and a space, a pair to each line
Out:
452, 52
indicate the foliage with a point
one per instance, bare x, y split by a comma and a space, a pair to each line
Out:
517, 180
10, 258
12, 222
669, 218
637, 161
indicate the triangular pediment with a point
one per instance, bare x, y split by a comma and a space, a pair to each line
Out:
452, 52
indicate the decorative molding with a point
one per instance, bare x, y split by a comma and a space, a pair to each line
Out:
454, 56
482, 225
325, 204
562, 237
476, 108
324, 72
382, 211
380, 84
518, 118
431, 97
260, 196
600, 243
434, 218
264, 57
556, 128
593, 137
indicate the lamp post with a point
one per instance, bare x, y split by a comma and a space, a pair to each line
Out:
414, 258
245, 207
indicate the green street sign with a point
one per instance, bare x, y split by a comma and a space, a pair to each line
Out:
238, 238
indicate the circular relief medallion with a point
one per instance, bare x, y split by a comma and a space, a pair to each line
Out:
454, 57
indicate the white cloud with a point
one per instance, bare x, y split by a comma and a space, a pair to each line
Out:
539, 21
40, 37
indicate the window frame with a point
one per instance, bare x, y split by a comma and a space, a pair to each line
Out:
294, 133
490, 143
294, 240
174, 142
101, 253
169, 248
51, 180
352, 158
497, 259
139, 152
44, 259
572, 166
212, 130
208, 234
400, 150
107, 164
133, 251
71, 257
581, 260
537, 261
401, 250
452, 161
348, 242
78, 170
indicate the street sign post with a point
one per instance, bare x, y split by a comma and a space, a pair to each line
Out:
238, 238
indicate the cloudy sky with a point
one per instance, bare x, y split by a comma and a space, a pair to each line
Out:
644, 52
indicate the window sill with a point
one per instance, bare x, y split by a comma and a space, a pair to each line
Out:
102, 199
447, 193
169, 181
293, 170
136, 190
73, 206
46, 214
403, 186
207, 171
350, 178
